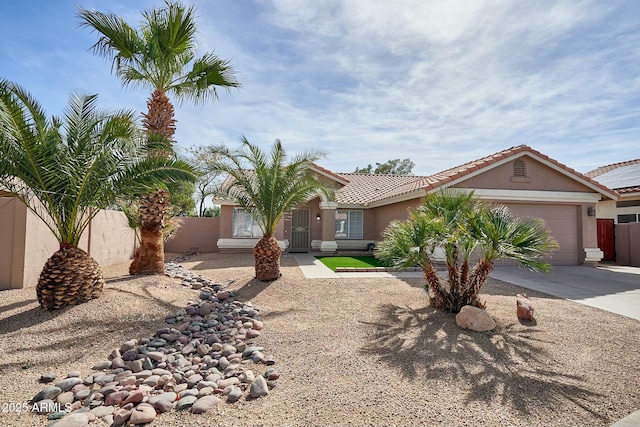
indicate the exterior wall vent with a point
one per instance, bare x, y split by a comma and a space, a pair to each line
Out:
518, 168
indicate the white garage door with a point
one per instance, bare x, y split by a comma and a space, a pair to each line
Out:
562, 221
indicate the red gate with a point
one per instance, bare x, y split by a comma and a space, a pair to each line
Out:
606, 239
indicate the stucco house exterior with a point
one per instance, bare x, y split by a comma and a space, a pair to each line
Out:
527, 181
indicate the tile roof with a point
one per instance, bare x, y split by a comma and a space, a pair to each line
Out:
368, 189
363, 188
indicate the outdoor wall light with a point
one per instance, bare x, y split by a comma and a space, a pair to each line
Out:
318, 217
591, 211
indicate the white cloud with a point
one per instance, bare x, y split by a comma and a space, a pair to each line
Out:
440, 82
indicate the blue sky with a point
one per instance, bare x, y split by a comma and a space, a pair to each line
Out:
439, 82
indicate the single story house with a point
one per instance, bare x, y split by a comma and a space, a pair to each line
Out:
527, 181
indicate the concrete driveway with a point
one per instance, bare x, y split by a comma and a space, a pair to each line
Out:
611, 288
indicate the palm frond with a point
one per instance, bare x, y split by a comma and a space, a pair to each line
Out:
266, 184
66, 170
161, 54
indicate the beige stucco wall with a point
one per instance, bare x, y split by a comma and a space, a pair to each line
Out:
606, 209
385, 214
199, 234
13, 222
27, 243
226, 222
112, 240
539, 177
40, 244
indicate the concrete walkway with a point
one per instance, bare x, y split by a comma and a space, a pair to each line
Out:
611, 288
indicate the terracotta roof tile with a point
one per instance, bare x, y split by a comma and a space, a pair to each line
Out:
363, 188
628, 190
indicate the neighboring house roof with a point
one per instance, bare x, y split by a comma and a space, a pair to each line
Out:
624, 177
407, 187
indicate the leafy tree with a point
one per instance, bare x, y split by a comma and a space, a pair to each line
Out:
210, 179
212, 211
391, 167
181, 196
463, 226
65, 170
267, 186
161, 56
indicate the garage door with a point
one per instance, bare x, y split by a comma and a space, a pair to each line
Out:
562, 221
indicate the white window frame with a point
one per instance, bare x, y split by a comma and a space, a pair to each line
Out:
351, 227
248, 229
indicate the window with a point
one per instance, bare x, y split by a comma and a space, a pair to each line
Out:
518, 168
628, 204
348, 224
623, 219
244, 225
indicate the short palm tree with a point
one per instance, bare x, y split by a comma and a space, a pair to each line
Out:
160, 56
465, 228
267, 187
66, 170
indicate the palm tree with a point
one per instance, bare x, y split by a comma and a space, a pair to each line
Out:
65, 170
160, 56
267, 188
464, 228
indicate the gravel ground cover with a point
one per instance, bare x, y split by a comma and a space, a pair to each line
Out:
351, 352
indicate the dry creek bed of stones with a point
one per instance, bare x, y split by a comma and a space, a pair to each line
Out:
202, 358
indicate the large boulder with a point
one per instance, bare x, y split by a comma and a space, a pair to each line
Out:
475, 319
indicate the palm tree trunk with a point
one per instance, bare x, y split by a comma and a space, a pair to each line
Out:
267, 258
477, 278
149, 258
438, 296
69, 277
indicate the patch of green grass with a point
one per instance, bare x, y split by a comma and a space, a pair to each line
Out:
350, 261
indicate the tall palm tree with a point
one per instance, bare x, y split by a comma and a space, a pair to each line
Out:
65, 170
267, 187
161, 56
464, 228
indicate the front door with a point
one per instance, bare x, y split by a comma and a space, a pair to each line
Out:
300, 230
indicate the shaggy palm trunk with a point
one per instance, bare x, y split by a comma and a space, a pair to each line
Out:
477, 278
159, 119
149, 257
437, 295
69, 277
267, 258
